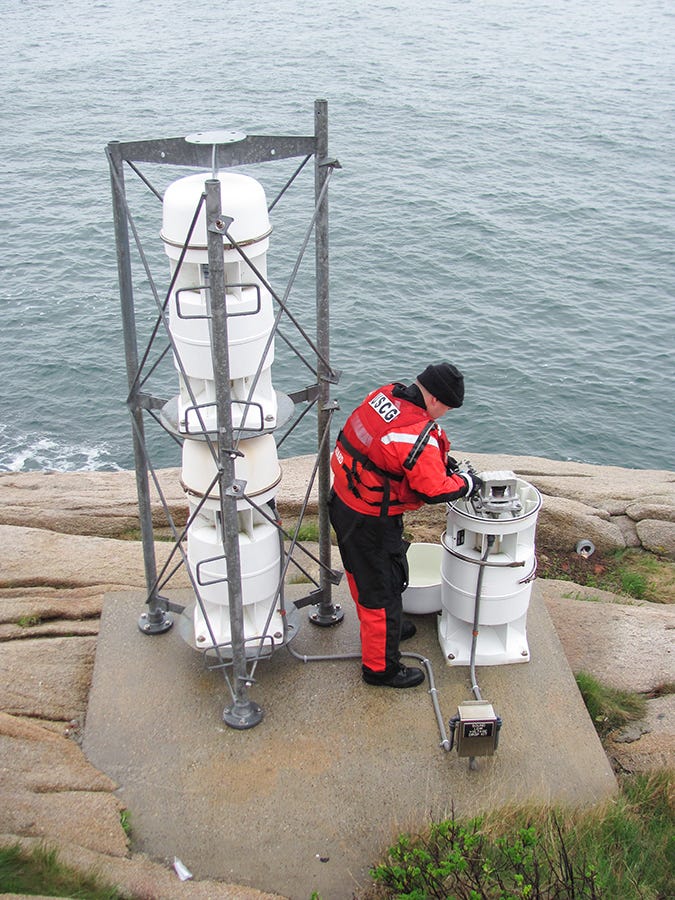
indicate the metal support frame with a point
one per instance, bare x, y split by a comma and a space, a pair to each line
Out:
326, 613
242, 150
156, 620
243, 713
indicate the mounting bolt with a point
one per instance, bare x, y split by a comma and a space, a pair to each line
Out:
160, 622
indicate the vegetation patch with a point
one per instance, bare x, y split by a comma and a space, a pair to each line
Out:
622, 849
661, 690
40, 872
125, 822
631, 573
306, 532
299, 578
608, 707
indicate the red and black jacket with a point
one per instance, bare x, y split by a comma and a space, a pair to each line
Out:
391, 456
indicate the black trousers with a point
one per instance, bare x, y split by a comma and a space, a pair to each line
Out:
374, 557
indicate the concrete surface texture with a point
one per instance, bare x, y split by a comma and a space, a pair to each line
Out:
308, 799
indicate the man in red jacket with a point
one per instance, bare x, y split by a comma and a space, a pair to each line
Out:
390, 457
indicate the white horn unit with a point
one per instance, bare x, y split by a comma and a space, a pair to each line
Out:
487, 570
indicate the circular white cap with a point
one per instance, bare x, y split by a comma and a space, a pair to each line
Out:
242, 199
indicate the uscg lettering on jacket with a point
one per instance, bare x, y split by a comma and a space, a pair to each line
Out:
384, 407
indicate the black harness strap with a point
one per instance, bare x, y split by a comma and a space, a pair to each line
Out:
353, 479
419, 446
365, 461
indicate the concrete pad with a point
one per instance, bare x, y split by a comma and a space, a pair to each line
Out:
310, 798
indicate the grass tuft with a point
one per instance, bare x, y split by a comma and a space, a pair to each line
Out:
662, 690
609, 707
306, 531
40, 872
125, 822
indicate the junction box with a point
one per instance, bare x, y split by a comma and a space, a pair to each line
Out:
476, 728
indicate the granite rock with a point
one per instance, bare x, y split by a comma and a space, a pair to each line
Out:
62, 555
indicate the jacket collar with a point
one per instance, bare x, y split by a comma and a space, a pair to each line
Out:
410, 392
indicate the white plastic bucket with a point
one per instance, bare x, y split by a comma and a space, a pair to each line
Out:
423, 594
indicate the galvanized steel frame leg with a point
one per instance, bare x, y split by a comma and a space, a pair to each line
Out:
243, 713
325, 613
156, 620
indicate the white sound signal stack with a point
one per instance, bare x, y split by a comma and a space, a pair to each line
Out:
254, 405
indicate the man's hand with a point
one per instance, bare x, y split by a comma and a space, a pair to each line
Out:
451, 465
477, 484
473, 483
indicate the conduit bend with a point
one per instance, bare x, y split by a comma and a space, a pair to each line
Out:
445, 743
303, 657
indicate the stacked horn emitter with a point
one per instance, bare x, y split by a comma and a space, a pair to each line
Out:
484, 616
253, 406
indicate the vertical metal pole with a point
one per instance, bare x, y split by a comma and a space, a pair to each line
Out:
243, 713
325, 613
156, 620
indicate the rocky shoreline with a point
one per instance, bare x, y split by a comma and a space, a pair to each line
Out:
63, 553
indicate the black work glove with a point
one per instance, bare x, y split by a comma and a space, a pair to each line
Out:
477, 485
473, 483
451, 465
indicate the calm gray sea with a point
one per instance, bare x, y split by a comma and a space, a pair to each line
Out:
506, 202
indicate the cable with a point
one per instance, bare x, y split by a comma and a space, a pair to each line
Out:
474, 635
476, 614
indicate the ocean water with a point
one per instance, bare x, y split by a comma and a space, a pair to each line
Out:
506, 202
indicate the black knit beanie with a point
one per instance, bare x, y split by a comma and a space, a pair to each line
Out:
445, 383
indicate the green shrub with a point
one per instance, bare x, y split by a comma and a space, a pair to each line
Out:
622, 850
463, 862
634, 584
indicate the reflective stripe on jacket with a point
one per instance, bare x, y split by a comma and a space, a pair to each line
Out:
391, 457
